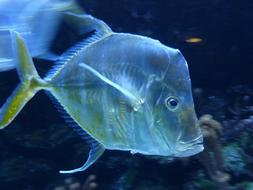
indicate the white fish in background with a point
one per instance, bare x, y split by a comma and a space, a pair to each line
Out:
36, 21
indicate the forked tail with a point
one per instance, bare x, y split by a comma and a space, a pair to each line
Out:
29, 85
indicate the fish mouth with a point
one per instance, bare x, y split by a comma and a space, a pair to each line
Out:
185, 149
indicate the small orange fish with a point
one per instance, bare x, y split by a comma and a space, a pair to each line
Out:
194, 40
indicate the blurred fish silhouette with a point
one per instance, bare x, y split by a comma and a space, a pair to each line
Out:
119, 91
34, 20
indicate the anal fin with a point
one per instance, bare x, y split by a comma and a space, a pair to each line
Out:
96, 151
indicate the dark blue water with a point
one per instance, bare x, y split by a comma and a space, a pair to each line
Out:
38, 143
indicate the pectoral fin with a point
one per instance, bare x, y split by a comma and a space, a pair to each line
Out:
134, 101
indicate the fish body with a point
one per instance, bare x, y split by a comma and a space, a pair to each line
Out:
135, 62
124, 91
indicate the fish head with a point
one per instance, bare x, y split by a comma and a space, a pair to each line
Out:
174, 123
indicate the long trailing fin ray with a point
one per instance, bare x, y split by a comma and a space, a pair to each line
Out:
97, 149
84, 23
30, 83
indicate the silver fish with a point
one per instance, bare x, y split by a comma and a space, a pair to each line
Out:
25, 17
120, 92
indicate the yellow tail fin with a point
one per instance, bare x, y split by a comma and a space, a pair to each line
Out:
30, 83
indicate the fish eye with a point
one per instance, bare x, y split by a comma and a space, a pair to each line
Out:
171, 103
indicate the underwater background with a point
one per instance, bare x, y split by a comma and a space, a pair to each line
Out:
215, 36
